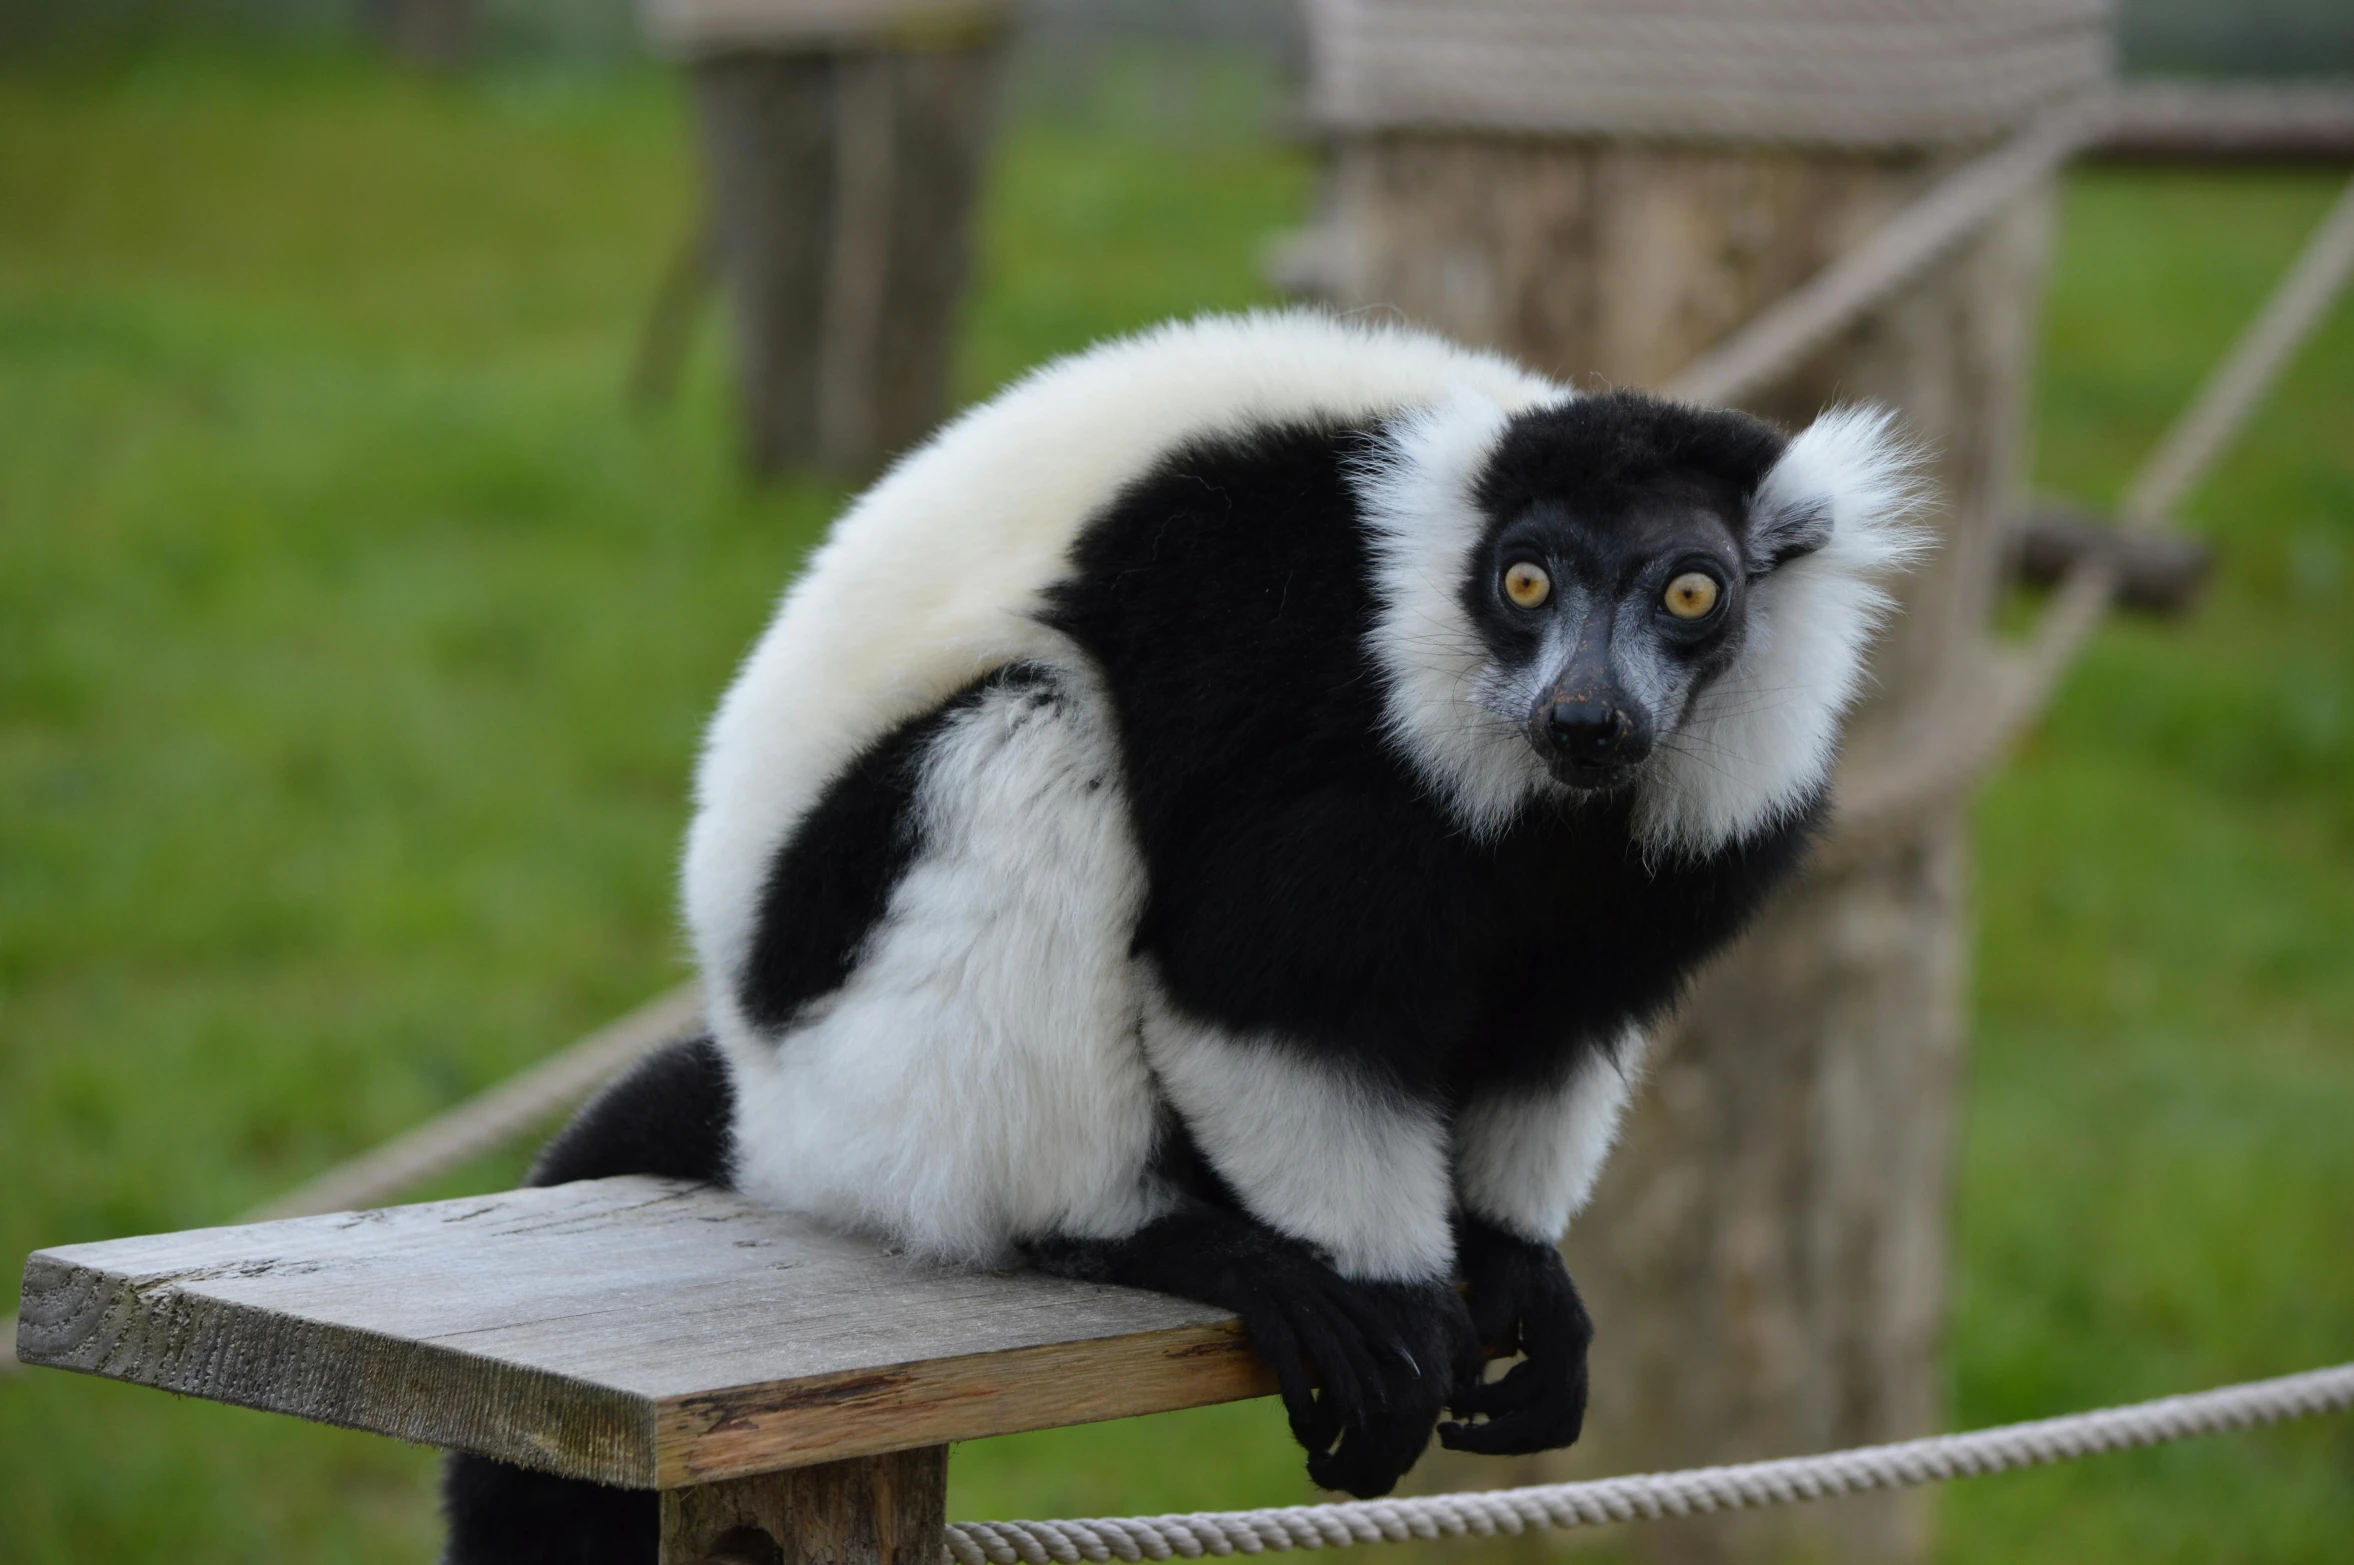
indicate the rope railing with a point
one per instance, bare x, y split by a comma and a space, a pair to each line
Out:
2223, 404
1877, 807
483, 1123
1650, 1496
1781, 335
491, 1119
1863, 74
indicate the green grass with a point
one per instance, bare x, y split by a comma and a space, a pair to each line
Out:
353, 642
2158, 1170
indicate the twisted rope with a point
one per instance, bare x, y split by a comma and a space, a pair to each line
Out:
1953, 210
1649, 1496
483, 1123
1856, 73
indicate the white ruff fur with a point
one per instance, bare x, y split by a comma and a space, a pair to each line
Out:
977, 1081
1760, 738
1422, 523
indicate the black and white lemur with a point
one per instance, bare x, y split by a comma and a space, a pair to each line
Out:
1220, 817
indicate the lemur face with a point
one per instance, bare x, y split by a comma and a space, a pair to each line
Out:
1605, 626
1612, 580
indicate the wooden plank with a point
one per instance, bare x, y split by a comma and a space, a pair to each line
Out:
634, 1331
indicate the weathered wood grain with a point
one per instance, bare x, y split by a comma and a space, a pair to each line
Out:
635, 1331
878, 1510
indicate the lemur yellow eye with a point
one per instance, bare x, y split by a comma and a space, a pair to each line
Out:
1691, 595
1526, 584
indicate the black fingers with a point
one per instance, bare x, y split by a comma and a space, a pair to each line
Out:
1313, 1425
1426, 1339
1519, 1289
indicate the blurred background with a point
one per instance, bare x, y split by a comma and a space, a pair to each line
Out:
387, 490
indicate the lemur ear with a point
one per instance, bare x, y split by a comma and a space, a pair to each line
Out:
1799, 525
1849, 479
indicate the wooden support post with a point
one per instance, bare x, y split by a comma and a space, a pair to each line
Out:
1766, 1261
876, 1510
842, 183
436, 35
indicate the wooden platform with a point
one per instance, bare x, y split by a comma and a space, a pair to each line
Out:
635, 1331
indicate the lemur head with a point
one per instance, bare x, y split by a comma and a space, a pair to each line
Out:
1618, 594
1611, 581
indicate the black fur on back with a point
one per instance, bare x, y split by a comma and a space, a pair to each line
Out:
831, 879
1304, 884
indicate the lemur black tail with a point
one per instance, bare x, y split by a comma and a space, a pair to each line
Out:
669, 1115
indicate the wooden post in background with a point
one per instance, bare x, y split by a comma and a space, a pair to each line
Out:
436, 35
843, 146
1766, 1261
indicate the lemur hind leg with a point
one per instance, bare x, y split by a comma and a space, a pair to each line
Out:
1365, 1368
667, 1116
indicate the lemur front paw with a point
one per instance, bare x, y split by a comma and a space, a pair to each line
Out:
1364, 1368
1520, 1288
1423, 1347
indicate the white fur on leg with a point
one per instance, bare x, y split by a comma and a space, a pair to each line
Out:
1527, 1160
978, 1081
1313, 1152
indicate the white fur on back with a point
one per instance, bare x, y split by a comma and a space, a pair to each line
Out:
978, 1081
930, 579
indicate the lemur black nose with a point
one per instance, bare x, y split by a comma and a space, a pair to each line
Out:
1589, 733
